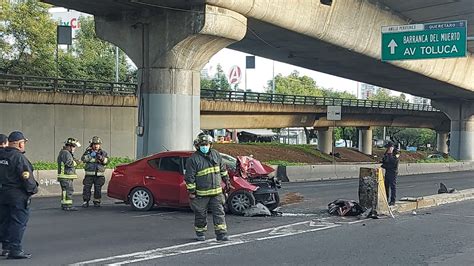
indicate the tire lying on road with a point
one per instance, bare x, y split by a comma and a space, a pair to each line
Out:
239, 201
141, 199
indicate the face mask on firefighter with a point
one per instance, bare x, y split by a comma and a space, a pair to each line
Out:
204, 149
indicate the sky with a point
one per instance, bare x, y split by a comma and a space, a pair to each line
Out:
258, 77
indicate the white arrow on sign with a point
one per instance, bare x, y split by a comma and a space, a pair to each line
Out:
392, 46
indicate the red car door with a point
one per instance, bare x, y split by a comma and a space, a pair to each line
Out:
165, 179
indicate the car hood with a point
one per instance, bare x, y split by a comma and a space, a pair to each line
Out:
250, 167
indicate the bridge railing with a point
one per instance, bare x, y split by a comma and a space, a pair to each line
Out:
256, 97
34, 83
20, 82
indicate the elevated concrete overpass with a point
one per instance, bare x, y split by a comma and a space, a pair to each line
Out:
65, 107
170, 41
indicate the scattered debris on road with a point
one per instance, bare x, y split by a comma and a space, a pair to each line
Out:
257, 210
291, 197
345, 208
443, 189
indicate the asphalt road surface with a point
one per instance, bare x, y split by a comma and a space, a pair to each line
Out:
304, 235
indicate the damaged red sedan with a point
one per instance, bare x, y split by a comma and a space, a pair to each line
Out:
159, 180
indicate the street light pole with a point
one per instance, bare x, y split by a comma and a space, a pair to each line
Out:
116, 64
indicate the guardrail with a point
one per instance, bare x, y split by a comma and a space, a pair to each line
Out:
255, 97
35, 83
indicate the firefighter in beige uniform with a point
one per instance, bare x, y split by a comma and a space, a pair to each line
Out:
67, 172
95, 159
204, 172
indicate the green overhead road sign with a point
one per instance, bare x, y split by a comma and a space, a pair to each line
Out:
424, 41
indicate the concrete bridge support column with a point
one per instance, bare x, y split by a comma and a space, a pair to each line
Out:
461, 141
170, 48
365, 140
325, 139
441, 139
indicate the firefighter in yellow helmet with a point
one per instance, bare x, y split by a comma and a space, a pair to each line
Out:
95, 159
67, 172
204, 172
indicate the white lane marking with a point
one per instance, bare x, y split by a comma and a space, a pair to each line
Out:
153, 214
190, 244
316, 185
238, 242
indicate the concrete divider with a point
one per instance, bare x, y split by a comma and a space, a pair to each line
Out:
344, 171
434, 200
49, 185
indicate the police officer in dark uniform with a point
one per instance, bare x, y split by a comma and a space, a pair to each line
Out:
17, 185
3, 141
390, 164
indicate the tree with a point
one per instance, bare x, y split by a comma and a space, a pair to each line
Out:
27, 38
330, 93
384, 95
409, 136
94, 57
28, 45
294, 84
218, 82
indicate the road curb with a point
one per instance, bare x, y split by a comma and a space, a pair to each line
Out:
433, 201
349, 171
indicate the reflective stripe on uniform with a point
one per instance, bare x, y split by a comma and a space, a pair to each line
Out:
224, 173
209, 192
64, 176
200, 229
64, 200
219, 227
94, 173
191, 186
209, 170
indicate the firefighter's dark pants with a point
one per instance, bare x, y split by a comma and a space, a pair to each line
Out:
67, 189
14, 214
97, 182
200, 206
391, 185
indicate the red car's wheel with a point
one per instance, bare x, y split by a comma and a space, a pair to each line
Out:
141, 199
240, 201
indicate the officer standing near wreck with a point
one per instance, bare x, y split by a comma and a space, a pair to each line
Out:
17, 185
390, 164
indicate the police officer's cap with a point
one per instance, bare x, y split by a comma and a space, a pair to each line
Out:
3, 138
389, 144
16, 136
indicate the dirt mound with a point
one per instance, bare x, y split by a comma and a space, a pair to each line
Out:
267, 153
307, 154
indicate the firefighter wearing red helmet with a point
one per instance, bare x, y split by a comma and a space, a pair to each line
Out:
204, 172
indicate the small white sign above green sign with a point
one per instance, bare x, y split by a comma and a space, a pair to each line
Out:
424, 41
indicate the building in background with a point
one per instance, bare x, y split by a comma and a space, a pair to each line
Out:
366, 90
421, 100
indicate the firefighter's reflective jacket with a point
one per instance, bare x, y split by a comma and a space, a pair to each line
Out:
95, 162
204, 173
66, 165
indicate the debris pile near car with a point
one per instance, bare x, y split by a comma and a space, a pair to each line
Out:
343, 207
257, 210
443, 189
